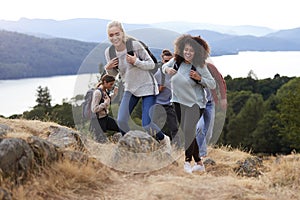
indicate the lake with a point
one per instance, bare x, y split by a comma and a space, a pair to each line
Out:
19, 95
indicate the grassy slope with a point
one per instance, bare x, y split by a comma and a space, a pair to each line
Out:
66, 180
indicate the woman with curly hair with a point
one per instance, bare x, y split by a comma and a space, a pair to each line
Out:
189, 78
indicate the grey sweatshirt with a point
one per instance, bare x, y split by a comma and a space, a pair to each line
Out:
184, 90
137, 78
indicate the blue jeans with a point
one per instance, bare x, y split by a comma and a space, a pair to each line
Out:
128, 103
204, 128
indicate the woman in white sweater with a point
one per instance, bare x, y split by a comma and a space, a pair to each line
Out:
134, 69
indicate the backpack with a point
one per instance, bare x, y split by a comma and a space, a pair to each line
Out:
129, 47
87, 104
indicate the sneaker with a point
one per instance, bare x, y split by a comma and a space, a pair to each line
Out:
199, 168
166, 144
187, 167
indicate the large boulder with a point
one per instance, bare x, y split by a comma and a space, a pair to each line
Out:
66, 138
137, 151
16, 158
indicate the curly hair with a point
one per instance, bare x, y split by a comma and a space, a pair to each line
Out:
199, 45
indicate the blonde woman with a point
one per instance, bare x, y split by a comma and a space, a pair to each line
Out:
134, 67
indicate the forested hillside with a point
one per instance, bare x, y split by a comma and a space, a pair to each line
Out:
24, 56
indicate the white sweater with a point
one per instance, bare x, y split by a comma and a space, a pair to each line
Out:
137, 78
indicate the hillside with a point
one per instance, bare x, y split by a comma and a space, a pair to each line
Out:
89, 178
24, 56
94, 30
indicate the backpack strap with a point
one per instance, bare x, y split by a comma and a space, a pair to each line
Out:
163, 76
112, 52
129, 46
176, 65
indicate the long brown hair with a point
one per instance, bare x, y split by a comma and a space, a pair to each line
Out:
199, 45
105, 78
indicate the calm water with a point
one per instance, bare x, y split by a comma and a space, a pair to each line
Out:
18, 96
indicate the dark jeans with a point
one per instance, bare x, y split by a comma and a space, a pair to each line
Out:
188, 117
100, 125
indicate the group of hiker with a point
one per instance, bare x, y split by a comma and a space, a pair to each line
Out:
183, 89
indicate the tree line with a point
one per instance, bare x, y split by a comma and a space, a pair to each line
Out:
262, 115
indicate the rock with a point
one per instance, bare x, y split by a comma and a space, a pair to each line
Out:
138, 142
137, 151
4, 129
19, 157
249, 167
16, 158
44, 151
65, 137
209, 161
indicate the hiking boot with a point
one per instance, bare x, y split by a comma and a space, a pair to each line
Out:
165, 144
187, 167
199, 168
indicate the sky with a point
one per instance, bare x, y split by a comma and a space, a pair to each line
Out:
275, 14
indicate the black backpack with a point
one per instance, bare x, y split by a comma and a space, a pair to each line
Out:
129, 47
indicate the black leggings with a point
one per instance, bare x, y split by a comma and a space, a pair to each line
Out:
188, 118
100, 125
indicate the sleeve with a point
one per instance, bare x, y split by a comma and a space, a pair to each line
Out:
96, 107
157, 76
206, 78
112, 72
219, 79
144, 60
169, 64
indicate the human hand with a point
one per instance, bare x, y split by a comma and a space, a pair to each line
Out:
195, 75
170, 71
106, 99
131, 58
116, 90
161, 88
113, 63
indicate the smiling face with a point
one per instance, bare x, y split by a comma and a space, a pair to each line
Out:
115, 36
188, 53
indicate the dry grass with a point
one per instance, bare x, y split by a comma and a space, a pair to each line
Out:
280, 177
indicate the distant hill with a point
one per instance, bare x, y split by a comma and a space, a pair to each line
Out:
94, 30
183, 27
221, 44
290, 34
23, 56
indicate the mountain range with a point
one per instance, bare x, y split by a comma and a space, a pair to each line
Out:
45, 47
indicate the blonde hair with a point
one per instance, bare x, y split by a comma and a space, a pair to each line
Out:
118, 25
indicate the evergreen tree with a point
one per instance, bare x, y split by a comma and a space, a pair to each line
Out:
43, 97
289, 109
242, 127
